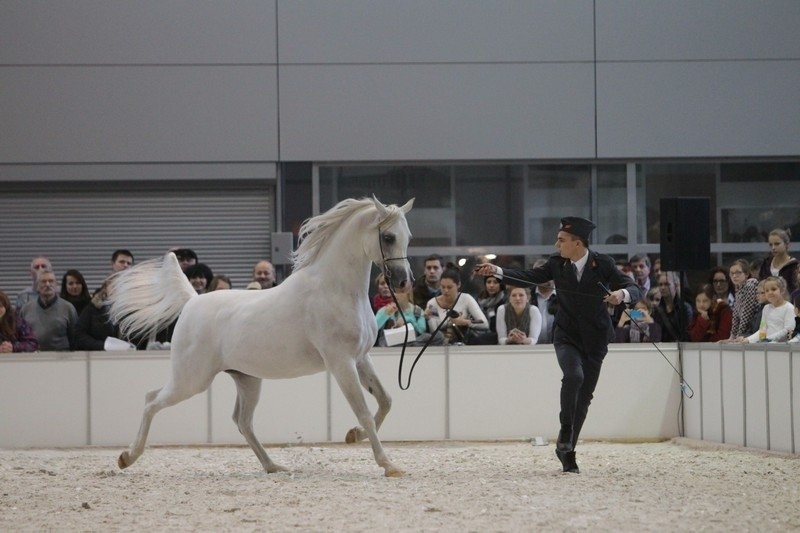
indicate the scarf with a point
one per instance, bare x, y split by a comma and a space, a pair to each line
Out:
522, 322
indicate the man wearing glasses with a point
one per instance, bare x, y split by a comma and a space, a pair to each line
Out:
52, 319
29, 293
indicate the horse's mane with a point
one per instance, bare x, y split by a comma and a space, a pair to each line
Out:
315, 233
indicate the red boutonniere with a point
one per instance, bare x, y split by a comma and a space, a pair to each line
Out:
594, 263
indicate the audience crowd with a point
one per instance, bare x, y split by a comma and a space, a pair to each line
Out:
46, 317
744, 302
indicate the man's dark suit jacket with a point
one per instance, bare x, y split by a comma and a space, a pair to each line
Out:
582, 314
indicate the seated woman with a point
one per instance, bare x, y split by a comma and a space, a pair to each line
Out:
95, 326
745, 303
389, 317
643, 328
491, 297
15, 334
200, 276
74, 290
457, 312
712, 318
518, 322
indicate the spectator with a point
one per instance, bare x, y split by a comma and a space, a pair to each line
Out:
795, 335
643, 328
654, 295
264, 274
672, 314
253, 285
761, 298
518, 322
547, 303
30, 293
460, 311
720, 282
490, 298
778, 319
74, 290
220, 282
427, 286
779, 262
121, 260
712, 318
640, 266
795, 293
95, 326
389, 317
200, 276
754, 268
656, 270
15, 334
186, 257
383, 296
52, 319
745, 302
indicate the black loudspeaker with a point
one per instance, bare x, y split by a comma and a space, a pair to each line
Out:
685, 234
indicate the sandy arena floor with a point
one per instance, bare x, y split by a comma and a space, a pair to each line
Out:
680, 485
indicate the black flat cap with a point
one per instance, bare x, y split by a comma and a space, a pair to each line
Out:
580, 227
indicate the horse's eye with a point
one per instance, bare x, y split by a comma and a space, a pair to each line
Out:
389, 238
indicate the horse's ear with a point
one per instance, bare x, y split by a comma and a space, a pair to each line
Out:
380, 207
407, 207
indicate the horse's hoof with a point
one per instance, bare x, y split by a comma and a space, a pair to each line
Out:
352, 436
124, 461
274, 468
393, 471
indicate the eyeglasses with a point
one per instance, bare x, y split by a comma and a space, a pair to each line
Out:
736, 273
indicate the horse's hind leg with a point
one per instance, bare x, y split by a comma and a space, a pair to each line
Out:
155, 401
248, 390
347, 377
369, 380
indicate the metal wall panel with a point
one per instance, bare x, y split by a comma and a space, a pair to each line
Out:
79, 225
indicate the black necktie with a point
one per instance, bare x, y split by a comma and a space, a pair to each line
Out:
575, 271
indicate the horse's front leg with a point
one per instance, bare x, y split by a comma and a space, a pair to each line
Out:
369, 380
346, 376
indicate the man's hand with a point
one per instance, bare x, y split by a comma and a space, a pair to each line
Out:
614, 298
485, 269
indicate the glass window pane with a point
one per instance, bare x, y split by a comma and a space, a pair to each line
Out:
553, 192
612, 205
755, 198
671, 180
432, 220
488, 205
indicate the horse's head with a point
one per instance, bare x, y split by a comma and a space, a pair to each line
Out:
391, 240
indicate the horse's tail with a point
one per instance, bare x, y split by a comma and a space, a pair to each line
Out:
149, 296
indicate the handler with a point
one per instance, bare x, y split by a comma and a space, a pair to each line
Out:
585, 282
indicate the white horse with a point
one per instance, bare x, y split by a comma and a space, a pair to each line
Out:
318, 319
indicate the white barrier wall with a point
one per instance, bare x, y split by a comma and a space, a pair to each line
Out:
745, 395
501, 392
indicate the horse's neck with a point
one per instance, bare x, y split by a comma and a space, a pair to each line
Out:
343, 267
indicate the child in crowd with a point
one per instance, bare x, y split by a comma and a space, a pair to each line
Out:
778, 318
643, 328
712, 318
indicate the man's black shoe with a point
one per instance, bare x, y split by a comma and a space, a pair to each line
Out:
568, 463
